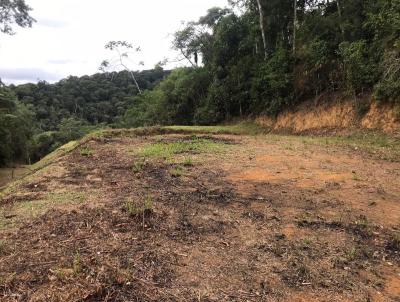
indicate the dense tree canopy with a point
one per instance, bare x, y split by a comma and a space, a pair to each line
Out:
37, 118
274, 54
16, 122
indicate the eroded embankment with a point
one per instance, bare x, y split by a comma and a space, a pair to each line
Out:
335, 115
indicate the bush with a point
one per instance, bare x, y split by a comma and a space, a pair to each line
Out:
388, 87
272, 89
16, 128
173, 101
360, 71
42, 144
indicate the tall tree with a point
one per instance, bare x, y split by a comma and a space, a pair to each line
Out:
294, 25
262, 28
341, 25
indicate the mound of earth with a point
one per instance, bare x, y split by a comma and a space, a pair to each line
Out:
203, 218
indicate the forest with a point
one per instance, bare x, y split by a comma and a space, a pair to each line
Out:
255, 57
35, 119
261, 57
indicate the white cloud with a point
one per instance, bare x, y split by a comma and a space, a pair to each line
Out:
27, 74
70, 35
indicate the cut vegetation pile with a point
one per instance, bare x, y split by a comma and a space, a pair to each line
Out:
205, 217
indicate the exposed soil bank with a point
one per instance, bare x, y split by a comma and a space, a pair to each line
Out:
331, 113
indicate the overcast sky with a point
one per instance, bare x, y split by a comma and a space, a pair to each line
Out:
69, 36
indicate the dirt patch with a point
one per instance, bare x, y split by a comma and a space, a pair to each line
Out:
227, 227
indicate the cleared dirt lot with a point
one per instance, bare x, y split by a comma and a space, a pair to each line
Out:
204, 218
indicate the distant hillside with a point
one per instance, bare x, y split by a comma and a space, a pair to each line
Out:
99, 98
38, 118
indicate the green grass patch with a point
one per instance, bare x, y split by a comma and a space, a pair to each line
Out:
35, 208
86, 151
167, 150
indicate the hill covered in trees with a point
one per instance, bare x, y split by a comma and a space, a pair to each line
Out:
260, 57
37, 118
256, 57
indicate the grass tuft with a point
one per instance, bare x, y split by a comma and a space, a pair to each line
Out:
177, 171
77, 264
188, 162
138, 166
133, 209
86, 151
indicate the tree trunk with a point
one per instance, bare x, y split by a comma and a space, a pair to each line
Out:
294, 27
262, 27
130, 72
134, 80
340, 19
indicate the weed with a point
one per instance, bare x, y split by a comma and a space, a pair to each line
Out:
133, 210
86, 151
138, 166
177, 172
188, 162
77, 264
148, 203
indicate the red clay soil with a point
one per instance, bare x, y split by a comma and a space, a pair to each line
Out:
257, 220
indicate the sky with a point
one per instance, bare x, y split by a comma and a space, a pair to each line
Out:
69, 36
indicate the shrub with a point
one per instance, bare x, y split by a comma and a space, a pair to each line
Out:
360, 71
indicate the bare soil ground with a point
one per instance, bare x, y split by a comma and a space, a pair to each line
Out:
203, 218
